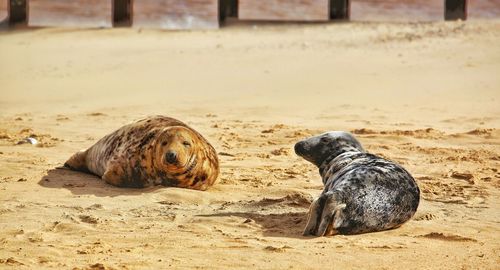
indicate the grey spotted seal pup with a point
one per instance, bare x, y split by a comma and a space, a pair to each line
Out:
362, 192
156, 150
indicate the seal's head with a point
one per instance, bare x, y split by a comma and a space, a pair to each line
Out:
327, 145
183, 158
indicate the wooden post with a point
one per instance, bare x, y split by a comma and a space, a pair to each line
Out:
228, 8
340, 9
70, 13
17, 10
456, 10
284, 10
121, 10
176, 14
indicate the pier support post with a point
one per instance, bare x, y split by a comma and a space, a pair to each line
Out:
228, 8
17, 10
455, 10
340, 9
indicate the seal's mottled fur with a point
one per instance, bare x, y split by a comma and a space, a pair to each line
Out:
362, 192
153, 151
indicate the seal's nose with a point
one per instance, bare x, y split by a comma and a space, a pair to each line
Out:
171, 157
299, 148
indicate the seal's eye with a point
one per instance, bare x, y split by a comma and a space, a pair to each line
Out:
186, 143
324, 140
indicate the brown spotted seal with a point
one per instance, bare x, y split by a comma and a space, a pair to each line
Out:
156, 150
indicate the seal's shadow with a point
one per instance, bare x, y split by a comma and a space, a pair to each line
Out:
82, 183
290, 225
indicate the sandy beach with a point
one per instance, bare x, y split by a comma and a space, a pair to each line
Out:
426, 95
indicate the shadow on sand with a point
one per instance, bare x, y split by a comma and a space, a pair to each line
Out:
288, 225
81, 184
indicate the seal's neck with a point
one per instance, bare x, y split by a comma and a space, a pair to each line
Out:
337, 160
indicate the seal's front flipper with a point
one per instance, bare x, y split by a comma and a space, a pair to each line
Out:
325, 215
332, 216
315, 211
78, 161
114, 174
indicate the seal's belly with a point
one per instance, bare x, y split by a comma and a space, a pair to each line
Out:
376, 201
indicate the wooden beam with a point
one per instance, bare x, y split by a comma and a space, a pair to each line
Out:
397, 10
176, 14
70, 13
284, 10
456, 10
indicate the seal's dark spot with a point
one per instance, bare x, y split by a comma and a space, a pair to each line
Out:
147, 139
200, 178
113, 143
168, 182
196, 181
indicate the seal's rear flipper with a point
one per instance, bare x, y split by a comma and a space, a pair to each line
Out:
331, 219
325, 215
78, 161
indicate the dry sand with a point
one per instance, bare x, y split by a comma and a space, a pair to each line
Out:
425, 95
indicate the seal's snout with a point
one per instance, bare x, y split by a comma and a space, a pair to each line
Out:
171, 157
300, 148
